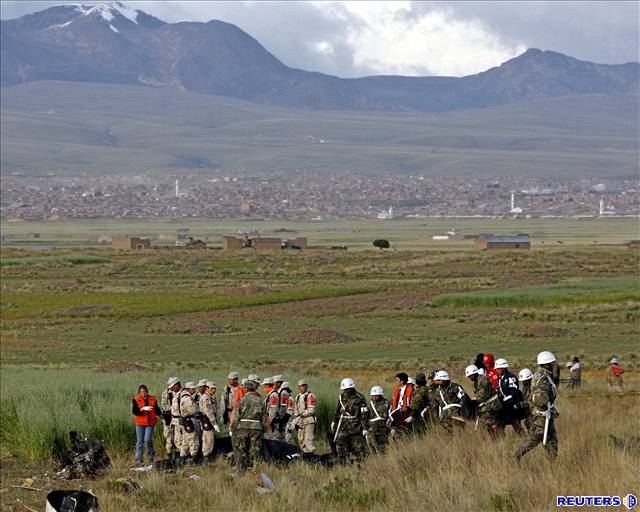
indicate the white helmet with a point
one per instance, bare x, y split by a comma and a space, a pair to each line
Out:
472, 369
441, 375
525, 374
615, 360
411, 380
347, 384
501, 363
482, 371
546, 357
377, 391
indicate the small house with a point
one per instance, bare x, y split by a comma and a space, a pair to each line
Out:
130, 243
489, 241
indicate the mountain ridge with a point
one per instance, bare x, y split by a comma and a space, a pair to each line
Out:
113, 43
111, 129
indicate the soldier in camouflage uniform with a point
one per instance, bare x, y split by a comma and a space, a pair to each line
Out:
378, 415
524, 378
543, 396
247, 427
422, 403
171, 424
488, 402
450, 398
350, 423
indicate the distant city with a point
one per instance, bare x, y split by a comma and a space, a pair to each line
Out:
310, 196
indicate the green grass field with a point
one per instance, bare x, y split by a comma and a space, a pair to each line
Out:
74, 317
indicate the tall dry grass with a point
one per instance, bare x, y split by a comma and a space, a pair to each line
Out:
440, 472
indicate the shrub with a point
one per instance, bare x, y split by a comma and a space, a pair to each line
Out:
381, 244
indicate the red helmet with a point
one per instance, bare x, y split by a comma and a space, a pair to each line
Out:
488, 359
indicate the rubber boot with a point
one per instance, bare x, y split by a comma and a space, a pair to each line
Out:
177, 462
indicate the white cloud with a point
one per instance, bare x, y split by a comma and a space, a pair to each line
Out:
357, 38
390, 38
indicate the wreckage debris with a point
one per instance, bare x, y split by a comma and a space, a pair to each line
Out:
87, 458
71, 501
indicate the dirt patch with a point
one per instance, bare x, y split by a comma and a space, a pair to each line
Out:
121, 367
188, 328
249, 289
317, 337
85, 310
545, 331
334, 306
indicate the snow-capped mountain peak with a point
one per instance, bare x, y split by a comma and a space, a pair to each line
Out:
109, 11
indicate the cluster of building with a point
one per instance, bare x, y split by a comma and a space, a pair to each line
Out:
264, 243
303, 195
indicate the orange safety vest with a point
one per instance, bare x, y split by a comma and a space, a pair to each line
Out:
146, 419
240, 392
401, 403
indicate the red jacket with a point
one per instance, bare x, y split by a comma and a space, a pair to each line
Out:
493, 376
146, 419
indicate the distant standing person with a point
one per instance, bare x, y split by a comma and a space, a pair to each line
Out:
575, 373
146, 411
614, 375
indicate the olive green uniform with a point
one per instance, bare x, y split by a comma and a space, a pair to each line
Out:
378, 429
351, 419
543, 396
248, 426
525, 405
422, 404
488, 403
449, 397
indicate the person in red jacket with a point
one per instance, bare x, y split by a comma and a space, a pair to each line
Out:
145, 410
492, 375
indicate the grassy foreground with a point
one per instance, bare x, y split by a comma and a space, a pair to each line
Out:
73, 318
465, 471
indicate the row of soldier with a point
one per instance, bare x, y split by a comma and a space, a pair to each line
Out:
193, 415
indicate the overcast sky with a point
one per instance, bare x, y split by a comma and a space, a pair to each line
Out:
359, 38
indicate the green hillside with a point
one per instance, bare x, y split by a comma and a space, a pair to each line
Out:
64, 126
